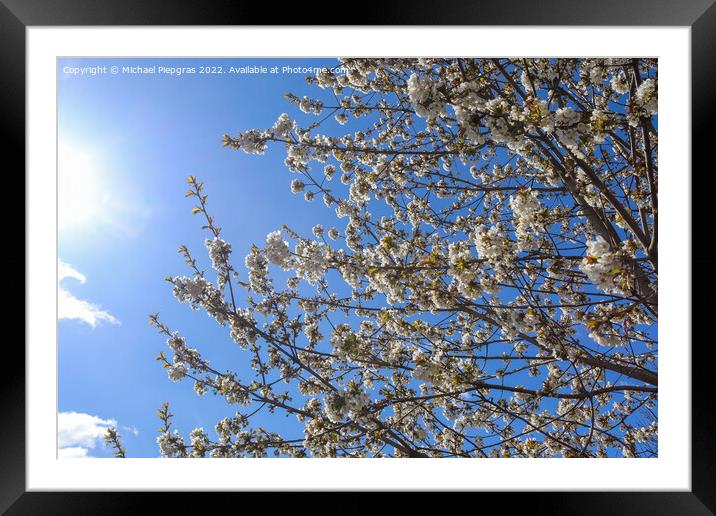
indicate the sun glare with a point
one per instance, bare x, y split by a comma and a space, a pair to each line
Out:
78, 192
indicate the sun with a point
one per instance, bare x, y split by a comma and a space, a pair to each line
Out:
78, 199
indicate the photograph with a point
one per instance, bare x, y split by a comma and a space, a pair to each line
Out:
380, 257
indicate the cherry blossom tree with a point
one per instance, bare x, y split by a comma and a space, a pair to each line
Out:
488, 289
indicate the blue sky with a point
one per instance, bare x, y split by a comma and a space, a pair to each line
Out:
127, 143
136, 138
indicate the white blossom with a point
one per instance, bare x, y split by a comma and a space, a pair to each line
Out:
283, 126
277, 250
646, 96
297, 186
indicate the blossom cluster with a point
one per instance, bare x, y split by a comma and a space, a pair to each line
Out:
605, 268
488, 287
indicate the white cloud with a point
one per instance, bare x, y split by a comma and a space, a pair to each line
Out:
131, 429
77, 433
70, 307
72, 453
66, 271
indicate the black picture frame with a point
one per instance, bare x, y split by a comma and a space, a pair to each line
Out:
700, 15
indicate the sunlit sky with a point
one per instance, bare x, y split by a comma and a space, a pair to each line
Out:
126, 143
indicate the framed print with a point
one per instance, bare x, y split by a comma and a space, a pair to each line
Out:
414, 237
